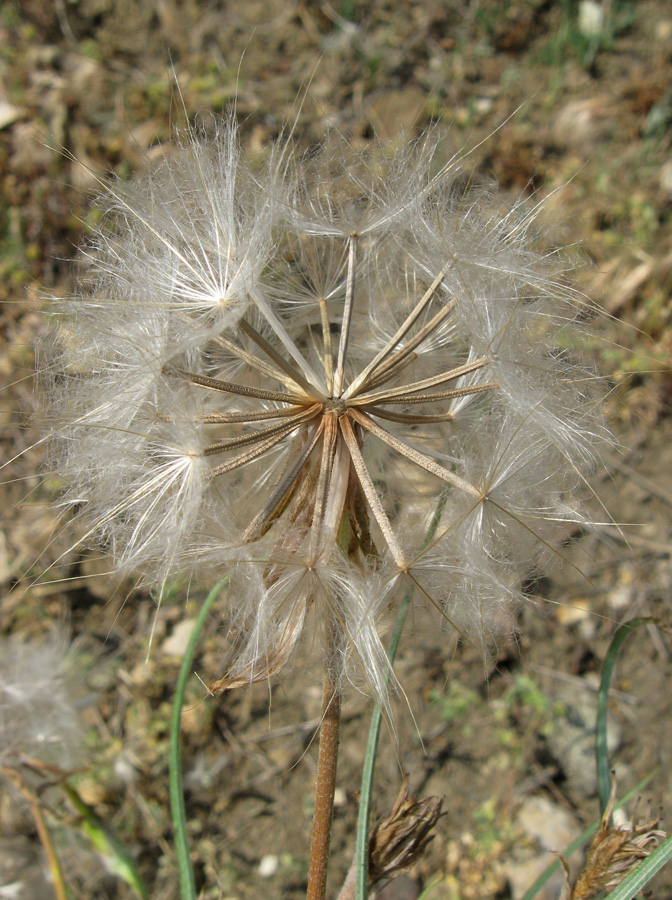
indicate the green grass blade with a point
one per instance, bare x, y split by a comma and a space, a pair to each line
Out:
601, 752
117, 858
644, 872
362, 845
582, 839
178, 812
428, 890
364, 813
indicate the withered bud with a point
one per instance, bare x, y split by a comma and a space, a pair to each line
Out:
399, 839
613, 853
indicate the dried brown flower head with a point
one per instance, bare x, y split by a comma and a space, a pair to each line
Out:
399, 839
614, 852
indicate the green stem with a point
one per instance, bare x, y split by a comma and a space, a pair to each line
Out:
178, 811
362, 846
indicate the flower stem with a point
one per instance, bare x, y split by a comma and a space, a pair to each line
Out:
327, 759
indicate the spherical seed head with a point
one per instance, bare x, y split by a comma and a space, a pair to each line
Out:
332, 377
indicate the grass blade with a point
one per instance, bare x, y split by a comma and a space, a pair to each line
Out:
178, 812
601, 751
362, 845
117, 858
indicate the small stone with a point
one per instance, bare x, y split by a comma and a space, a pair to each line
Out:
549, 824
5, 568
340, 798
571, 614
623, 595
572, 740
176, 643
588, 629
665, 179
591, 18
483, 105
140, 675
9, 114
663, 30
268, 865
91, 792
582, 122
552, 829
521, 875
580, 615
125, 769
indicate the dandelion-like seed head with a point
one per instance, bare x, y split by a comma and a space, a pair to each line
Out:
296, 371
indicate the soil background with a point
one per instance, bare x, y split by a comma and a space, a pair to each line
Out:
568, 102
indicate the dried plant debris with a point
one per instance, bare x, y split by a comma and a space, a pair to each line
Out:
614, 852
400, 838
